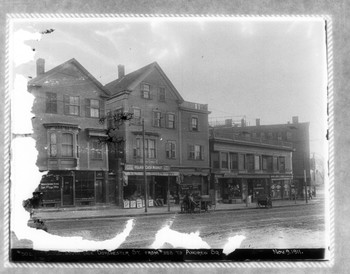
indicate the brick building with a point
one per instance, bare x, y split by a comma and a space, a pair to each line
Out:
176, 137
295, 132
68, 104
242, 166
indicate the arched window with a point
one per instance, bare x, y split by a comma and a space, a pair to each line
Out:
67, 145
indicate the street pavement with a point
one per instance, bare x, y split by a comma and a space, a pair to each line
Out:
114, 211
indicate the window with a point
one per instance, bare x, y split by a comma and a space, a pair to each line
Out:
53, 145
51, 102
215, 159
96, 150
71, 105
67, 145
279, 136
250, 162
234, 161
224, 160
262, 135
275, 163
196, 152
145, 91
267, 163
194, 123
150, 146
241, 161
137, 115
137, 148
170, 148
162, 94
281, 164
171, 121
256, 162
156, 119
289, 136
93, 108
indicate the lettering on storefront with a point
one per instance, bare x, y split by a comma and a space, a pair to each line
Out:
50, 185
147, 167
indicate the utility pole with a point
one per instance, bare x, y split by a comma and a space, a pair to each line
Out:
168, 194
305, 186
144, 162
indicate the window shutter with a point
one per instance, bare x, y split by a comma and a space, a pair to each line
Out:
102, 108
190, 123
174, 121
202, 151
66, 104
87, 108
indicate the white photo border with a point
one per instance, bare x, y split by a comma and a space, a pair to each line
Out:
8, 137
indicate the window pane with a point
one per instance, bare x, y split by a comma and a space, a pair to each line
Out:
215, 159
224, 160
94, 103
94, 112
67, 145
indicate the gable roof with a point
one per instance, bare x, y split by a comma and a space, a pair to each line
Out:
42, 77
129, 81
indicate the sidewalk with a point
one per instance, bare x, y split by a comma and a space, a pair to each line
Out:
114, 211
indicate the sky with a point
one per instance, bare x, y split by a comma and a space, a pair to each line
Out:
267, 68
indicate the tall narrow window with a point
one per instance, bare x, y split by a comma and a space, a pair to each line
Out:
224, 160
256, 162
171, 121
151, 148
53, 145
170, 149
145, 91
93, 108
234, 161
250, 162
137, 116
71, 105
241, 161
51, 102
215, 159
67, 145
156, 119
281, 164
162, 94
96, 150
194, 123
137, 147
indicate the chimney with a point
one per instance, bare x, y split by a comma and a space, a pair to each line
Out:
257, 121
40, 66
242, 123
121, 71
295, 119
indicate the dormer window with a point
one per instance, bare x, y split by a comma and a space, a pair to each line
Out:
145, 91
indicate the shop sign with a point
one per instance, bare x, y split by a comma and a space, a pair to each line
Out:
147, 167
50, 185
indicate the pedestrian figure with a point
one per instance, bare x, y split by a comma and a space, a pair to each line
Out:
310, 194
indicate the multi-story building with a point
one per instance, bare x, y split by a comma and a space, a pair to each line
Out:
68, 104
295, 132
243, 166
175, 137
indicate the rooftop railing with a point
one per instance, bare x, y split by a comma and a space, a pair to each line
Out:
194, 105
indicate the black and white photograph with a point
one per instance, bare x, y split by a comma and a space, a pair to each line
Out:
169, 138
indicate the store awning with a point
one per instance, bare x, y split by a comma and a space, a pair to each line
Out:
194, 173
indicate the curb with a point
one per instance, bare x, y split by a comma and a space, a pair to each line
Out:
161, 213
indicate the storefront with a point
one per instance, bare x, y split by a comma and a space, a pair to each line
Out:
74, 188
195, 183
159, 180
231, 190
